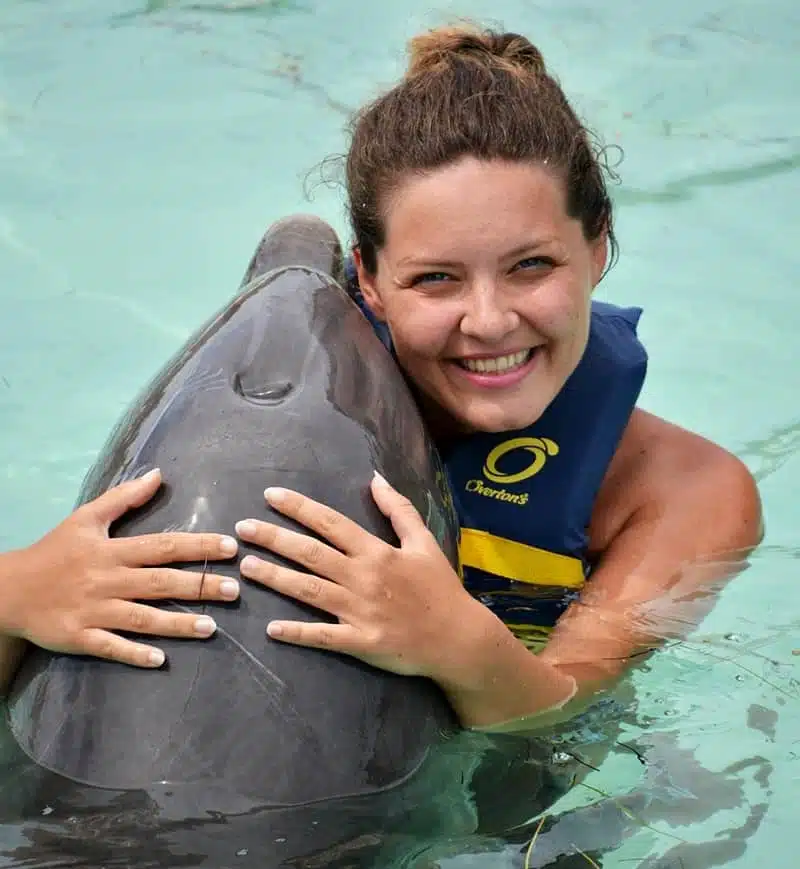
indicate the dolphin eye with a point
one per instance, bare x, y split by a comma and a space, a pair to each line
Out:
262, 393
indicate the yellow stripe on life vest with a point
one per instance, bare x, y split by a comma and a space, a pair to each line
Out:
518, 561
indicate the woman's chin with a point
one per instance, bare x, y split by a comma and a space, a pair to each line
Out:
496, 419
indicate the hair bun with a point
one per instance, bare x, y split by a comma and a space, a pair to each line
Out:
437, 48
519, 50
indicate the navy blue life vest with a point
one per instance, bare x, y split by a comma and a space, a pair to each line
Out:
525, 498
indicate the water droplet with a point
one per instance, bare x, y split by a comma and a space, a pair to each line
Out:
47, 810
242, 852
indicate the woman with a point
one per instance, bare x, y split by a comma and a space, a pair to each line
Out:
482, 225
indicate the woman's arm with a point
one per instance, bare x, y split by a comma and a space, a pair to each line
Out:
676, 517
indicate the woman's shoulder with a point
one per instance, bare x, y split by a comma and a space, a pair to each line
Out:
660, 467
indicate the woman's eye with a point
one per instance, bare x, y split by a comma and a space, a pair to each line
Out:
430, 278
535, 262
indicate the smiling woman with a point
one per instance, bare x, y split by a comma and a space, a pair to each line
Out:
482, 226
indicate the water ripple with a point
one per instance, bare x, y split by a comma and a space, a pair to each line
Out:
254, 8
767, 455
683, 189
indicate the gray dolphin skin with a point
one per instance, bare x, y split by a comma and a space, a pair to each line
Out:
241, 750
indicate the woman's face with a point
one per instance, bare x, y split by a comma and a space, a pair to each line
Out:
485, 283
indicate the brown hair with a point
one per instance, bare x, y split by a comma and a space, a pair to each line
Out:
470, 92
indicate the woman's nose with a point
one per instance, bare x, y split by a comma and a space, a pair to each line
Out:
488, 317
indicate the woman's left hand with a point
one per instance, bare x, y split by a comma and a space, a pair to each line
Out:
401, 609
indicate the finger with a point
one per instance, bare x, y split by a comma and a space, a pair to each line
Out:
305, 587
319, 635
300, 548
156, 549
104, 644
160, 583
342, 532
119, 499
403, 515
141, 619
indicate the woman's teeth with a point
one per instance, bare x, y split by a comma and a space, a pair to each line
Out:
497, 364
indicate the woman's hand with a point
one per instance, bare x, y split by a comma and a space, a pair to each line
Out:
69, 591
402, 609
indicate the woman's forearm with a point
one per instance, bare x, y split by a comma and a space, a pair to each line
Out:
496, 681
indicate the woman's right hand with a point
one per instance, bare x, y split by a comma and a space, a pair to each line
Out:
71, 590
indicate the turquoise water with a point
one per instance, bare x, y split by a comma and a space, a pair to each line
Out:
144, 147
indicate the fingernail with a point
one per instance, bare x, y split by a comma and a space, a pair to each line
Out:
249, 562
246, 527
229, 589
204, 626
228, 546
274, 630
381, 481
274, 494
156, 658
150, 475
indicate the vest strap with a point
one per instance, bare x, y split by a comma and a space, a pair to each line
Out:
518, 561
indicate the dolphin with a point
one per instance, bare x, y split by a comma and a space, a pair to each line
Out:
241, 751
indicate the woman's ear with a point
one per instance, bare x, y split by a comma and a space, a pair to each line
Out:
599, 257
366, 283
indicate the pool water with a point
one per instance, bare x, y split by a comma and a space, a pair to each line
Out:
144, 148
